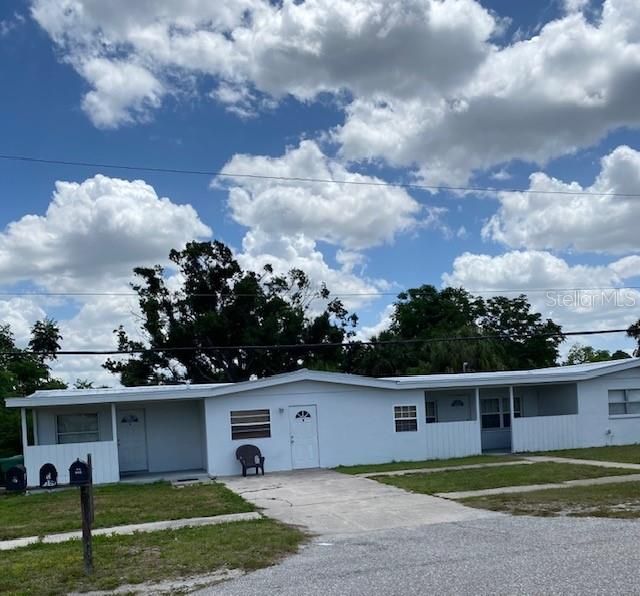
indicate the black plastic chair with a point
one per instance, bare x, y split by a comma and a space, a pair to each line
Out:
250, 457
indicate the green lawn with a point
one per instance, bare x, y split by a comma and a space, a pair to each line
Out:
629, 454
604, 500
430, 463
115, 504
481, 478
50, 569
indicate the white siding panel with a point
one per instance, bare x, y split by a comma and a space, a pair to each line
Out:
453, 439
545, 433
104, 456
623, 430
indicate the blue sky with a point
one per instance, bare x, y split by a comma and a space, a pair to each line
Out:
438, 92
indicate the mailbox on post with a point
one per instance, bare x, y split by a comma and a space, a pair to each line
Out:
79, 474
48, 476
16, 478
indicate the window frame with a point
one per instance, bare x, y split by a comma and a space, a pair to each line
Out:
502, 412
430, 419
626, 402
88, 433
250, 429
399, 409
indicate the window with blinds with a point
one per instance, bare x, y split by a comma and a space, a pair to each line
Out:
250, 424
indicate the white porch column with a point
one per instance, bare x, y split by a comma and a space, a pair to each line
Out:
25, 436
114, 437
511, 402
478, 404
114, 424
34, 414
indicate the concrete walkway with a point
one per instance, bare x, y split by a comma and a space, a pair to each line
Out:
327, 502
533, 487
443, 469
584, 462
132, 529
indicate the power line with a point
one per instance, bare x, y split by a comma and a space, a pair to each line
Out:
26, 294
311, 346
223, 174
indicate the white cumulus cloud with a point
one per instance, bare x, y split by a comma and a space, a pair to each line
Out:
597, 221
424, 83
93, 231
350, 215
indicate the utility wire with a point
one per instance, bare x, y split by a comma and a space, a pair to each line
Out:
223, 174
311, 346
332, 294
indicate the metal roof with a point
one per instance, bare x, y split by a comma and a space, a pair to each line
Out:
574, 372
557, 374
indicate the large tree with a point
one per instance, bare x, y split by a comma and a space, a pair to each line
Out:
482, 334
220, 305
22, 373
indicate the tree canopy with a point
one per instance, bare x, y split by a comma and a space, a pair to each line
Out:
22, 373
634, 332
580, 354
505, 335
219, 304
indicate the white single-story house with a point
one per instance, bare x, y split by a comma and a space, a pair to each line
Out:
309, 419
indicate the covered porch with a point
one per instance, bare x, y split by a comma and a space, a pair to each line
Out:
504, 418
521, 418
125, 440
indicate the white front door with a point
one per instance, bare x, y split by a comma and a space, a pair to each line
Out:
304, 437
132, 441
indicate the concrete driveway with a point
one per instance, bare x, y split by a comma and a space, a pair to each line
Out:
329, 503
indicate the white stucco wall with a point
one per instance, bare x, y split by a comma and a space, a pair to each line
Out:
596, 427
355, 426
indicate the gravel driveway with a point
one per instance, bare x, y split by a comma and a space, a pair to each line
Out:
500, 555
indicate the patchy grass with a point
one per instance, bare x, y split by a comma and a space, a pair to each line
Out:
481, 478
603, 500
628, 454
52, 569
115, 504
430, 463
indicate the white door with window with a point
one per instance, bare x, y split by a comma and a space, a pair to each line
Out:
132, 441
303, 426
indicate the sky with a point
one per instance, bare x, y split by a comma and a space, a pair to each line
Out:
536, 102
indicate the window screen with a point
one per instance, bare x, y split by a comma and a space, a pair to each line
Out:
77, 428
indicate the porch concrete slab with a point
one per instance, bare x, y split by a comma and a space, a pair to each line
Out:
586, 462
183, 477
132, 529
327, 502
443, 469
533, 487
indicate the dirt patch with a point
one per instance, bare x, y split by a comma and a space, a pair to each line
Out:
174, 586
